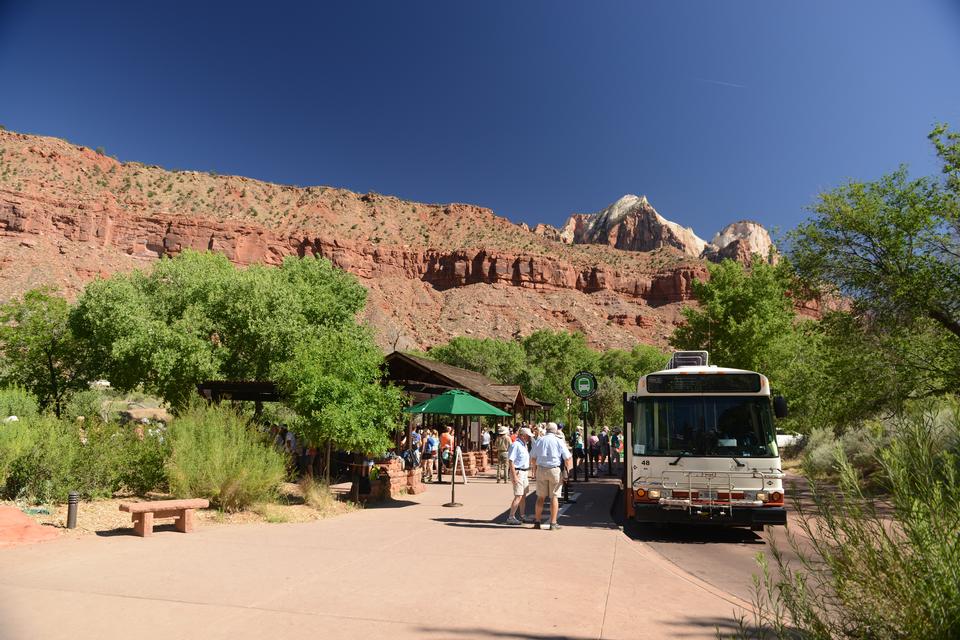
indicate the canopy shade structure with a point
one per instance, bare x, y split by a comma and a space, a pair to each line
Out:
456, 403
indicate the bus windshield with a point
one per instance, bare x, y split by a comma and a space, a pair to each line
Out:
719, 426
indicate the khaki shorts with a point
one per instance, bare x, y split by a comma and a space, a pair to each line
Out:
548, 482
520, 488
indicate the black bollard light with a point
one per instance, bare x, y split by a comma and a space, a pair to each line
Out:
72, 500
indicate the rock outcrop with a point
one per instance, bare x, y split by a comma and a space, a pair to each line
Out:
632, 224
741, 241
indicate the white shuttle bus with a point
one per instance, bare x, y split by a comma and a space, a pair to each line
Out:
701, 446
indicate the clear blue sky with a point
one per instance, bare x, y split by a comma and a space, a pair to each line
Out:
716, 110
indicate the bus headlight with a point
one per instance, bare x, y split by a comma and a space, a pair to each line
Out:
653, 494
762, 496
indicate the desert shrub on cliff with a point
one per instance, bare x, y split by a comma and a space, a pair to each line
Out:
215, 453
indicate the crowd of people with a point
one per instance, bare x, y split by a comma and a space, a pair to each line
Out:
540, 453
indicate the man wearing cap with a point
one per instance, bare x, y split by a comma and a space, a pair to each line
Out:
546, 457
519, 460
501, 449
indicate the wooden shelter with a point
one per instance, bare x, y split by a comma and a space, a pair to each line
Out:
423, 378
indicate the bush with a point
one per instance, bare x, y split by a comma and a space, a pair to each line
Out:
16, 439
216, 454
865, 573
16, 401
43, 459
88, 404
45, 473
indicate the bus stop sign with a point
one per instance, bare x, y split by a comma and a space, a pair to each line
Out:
584, 384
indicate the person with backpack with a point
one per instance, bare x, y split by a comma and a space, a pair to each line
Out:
430, 444
501, 448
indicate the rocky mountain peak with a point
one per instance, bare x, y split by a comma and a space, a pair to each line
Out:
740, 241
631, 223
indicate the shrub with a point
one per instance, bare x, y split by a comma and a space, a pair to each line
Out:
216, 454
88, 404
16, 439
45, 472
17, 401
865, 573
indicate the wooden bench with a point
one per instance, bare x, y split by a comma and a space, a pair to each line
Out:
144, 512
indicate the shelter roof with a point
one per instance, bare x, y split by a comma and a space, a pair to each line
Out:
408, 368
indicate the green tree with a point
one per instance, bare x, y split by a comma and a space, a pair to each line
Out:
334, 381
553, 357
502, 360
197, 317
745, 318
891, 248
39, 350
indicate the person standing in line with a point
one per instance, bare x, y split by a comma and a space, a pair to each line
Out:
446, 446
485, 441
605, 448
430, 444
615, 442
546, 458
593, 444
502, 449
519, 459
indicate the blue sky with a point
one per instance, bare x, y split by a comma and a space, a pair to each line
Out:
715, 110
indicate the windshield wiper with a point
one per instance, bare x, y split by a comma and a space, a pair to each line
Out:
672, 464
739, 464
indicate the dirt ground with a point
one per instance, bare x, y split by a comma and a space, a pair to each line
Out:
105, 515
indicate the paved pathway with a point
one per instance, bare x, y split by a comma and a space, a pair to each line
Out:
414, 569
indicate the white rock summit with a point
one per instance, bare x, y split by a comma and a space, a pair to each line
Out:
632, 224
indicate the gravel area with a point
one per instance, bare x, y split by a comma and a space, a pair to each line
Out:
104, 515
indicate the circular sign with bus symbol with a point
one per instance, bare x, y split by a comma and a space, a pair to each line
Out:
584, 384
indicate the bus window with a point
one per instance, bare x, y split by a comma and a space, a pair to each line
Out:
704, 426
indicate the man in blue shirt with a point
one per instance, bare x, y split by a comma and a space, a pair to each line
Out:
519, 461
547, 455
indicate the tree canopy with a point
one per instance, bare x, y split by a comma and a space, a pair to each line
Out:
197, 317
38, 350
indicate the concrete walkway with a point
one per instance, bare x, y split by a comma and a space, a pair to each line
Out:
413, 569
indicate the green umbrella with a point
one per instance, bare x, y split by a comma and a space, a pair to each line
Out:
456, 403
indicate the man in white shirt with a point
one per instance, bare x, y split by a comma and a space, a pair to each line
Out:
547, 455
519, 460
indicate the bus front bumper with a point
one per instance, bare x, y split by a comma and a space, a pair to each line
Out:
738, 517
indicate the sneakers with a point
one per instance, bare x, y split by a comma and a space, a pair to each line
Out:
536, 525
513, 521
554, 527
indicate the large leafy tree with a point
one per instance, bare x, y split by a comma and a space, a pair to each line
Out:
198, 317
38, 349
891, 247
745, 318
334, 382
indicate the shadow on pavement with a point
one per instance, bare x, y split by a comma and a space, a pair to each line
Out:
128, 531
691, 534
695, 627
474, 523
477, 632
390, 504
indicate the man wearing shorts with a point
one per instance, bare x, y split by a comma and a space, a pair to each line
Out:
546, 457
519, 459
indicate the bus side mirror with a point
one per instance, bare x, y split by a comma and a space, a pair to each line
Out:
780, 407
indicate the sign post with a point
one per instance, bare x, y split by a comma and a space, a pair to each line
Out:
584, 386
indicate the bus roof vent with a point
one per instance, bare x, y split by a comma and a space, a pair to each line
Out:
688, 359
